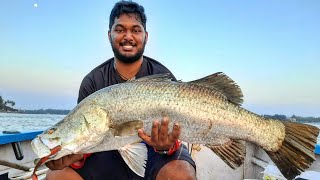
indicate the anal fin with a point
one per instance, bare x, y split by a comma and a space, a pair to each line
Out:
135, 155
232, 152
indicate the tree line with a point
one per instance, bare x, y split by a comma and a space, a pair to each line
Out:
46, 111
7, 105
293, 118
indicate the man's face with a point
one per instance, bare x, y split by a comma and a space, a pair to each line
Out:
128, 38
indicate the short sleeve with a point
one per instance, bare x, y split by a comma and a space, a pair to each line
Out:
86, 88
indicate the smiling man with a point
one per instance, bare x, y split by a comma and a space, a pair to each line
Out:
128, 38
167, 158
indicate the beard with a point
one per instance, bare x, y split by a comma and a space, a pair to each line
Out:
128, 59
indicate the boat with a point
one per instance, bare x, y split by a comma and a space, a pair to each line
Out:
17, 161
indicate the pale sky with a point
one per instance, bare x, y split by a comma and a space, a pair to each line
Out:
270, 48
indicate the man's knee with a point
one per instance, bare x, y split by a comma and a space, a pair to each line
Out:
66, 173
177, 169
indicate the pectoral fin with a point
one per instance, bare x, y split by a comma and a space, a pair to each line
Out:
135, 155
232, 152
127, 128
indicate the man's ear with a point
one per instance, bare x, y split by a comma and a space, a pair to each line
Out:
146, 37
109, 36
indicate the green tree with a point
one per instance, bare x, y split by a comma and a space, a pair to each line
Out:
1, 100
1, 103
9, 102
4, 104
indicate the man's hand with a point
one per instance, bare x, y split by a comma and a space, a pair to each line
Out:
64, 161
160, 138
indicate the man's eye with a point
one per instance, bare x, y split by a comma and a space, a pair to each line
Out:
118, 30
136, 31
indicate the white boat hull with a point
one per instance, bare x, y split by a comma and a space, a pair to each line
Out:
209, 165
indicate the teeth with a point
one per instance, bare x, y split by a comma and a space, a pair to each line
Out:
127, 47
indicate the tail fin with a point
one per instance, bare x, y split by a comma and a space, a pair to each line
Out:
297, 151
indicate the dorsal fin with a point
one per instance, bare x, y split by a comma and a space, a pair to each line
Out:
155, 77
222, 83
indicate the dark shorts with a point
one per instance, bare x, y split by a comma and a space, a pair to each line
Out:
110, 165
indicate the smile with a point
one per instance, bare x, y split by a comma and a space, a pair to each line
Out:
127, 47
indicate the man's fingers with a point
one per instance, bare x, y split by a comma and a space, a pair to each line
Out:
145, 137
163, 132
175, 133
64, 161
160, 137
55, 164
155, 131
68, 160
50, 165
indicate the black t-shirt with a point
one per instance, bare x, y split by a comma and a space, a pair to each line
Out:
105, 75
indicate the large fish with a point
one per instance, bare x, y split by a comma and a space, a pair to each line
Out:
208, 110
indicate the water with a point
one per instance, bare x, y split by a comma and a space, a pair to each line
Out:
317, 124
31, 122
27, 122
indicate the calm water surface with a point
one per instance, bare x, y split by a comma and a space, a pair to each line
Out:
30, 122
27, 122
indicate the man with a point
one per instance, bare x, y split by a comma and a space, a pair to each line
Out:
166, 159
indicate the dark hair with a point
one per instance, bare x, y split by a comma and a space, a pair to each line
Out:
126, 7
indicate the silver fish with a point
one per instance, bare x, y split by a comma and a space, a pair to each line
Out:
208, 110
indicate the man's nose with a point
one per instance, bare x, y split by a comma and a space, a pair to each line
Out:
128, 35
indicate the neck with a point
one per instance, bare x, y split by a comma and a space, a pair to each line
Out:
128, 70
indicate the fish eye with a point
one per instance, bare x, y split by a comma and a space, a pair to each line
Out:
51, 131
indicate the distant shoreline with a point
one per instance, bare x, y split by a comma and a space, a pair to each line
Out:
40, 111
1, 111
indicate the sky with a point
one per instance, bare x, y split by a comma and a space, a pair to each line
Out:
269, 48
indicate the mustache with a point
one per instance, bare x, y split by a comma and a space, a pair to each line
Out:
124, 43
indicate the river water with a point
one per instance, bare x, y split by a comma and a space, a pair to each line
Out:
31, 122
27, 122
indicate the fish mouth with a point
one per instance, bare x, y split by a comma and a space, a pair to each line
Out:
44, 159
53, 153
43, 149
39, 148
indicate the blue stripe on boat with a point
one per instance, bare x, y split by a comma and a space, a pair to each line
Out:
9, 138
317, 150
